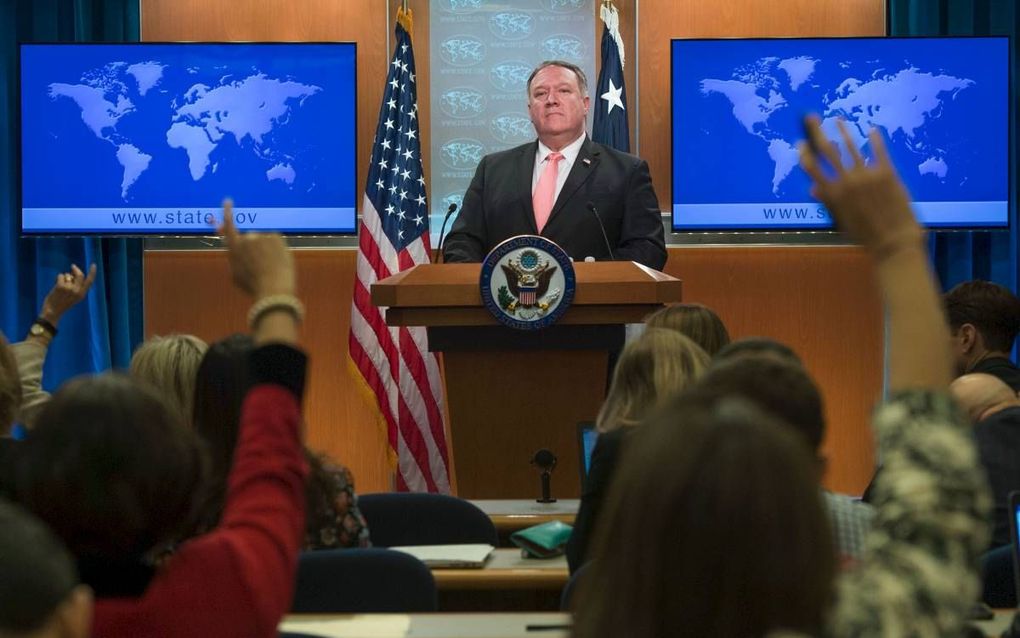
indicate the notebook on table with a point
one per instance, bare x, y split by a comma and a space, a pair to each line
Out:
468, 556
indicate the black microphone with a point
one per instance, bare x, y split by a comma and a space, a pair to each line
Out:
595, 212
442, 232
545, 460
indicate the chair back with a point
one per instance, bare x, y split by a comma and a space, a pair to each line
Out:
363, 581
570, 589
397, 519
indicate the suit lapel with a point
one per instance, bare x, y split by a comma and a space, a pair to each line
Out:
525, 175
583, 168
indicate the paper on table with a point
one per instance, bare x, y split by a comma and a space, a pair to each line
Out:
450, 556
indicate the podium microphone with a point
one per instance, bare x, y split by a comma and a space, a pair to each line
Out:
545, 460
594, 211
442, 232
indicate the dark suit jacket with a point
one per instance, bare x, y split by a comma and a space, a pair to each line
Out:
998, 443
1001, 368
608, 448
497, 206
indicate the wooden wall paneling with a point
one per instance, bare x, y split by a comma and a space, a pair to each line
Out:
821, 301
340, 422
190, 292
661, 20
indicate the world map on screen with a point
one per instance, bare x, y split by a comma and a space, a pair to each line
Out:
206, 119
768, 96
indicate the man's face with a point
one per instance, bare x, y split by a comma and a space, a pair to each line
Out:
556, 106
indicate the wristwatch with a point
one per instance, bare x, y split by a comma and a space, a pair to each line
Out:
42, 327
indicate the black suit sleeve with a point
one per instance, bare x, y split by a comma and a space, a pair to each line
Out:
467, 239
596, 488
641, 236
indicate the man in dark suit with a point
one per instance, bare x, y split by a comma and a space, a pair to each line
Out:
561, 186
984, 319
994, 410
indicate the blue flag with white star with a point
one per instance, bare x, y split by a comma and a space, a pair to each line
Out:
610, 125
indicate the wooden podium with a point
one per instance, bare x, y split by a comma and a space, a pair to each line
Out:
511, 392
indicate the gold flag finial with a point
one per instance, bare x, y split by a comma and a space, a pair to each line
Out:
404, 19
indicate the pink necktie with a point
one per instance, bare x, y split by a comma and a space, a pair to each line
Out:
545, 191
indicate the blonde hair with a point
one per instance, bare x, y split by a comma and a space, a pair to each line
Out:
170, 365
694, 320
10, 386
654, 367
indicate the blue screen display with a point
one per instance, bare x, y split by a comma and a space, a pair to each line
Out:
150, 138
942, 105
589, 437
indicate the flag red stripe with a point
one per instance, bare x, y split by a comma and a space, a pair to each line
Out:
370, 251
367, 370
416, 364
414, 441
403, 420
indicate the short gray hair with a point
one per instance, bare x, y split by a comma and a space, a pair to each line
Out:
582, 81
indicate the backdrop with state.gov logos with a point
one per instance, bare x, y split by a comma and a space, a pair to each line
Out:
482, 52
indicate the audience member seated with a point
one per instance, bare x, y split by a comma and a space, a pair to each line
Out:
984, 318
715, 526
69, 289
994, 409
10, 401
785, 390
758, 346
112, 469
651, 369
333, 518
40, 596
170, 364
697, 322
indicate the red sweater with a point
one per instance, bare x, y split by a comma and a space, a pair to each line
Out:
237, 580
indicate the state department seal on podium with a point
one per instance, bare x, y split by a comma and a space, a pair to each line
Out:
527, 282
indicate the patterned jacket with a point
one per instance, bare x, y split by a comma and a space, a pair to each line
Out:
919, 574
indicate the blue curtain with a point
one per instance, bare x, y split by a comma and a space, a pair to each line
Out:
960, 256
102, 331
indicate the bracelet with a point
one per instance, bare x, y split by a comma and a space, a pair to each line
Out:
46, 325
290, 303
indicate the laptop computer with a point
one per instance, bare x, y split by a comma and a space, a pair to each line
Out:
1014, 534
586, 437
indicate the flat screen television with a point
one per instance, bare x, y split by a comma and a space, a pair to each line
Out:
737, 107
146, 138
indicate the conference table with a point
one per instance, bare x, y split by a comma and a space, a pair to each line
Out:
470, 625
510, 515
499, 625
506, 569
507, 582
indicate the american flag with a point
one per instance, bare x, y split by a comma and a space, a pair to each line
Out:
395, 362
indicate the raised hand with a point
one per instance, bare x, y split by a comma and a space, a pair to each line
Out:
69, 288
260, 263
867, 199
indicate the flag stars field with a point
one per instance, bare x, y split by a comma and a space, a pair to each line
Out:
395, 362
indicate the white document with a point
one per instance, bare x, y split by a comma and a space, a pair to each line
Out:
471, 556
